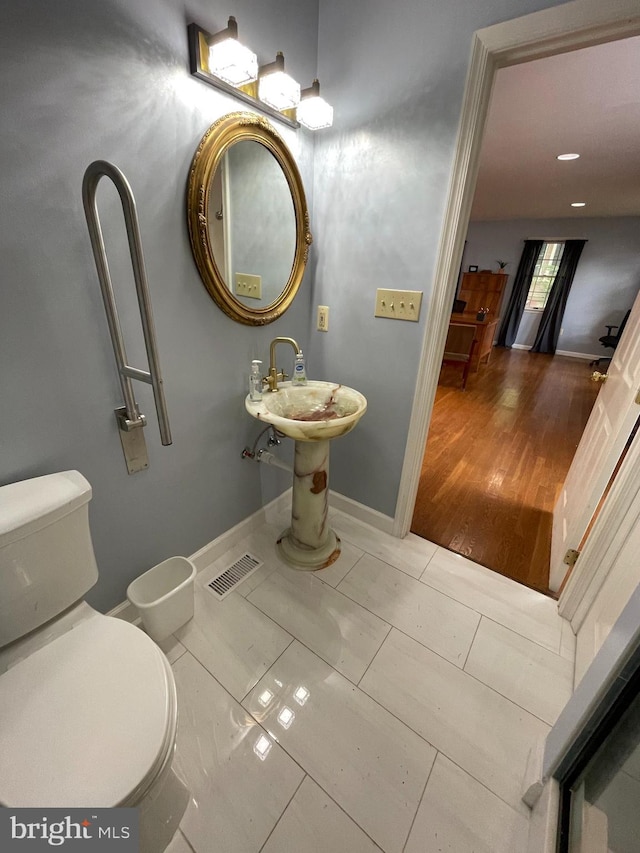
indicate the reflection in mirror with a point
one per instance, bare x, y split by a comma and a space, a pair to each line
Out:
253, 231
248, 219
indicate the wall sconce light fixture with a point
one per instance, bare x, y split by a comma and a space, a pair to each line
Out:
228, 59
277, 88
223, 62
313, 111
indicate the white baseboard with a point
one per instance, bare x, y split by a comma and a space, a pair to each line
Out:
217, 547
583, 355
125, 610
361, 512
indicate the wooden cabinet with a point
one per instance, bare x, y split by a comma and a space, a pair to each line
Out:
483, 290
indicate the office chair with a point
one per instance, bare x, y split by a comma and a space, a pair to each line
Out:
611, 339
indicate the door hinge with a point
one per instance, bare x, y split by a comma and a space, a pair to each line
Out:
571, 556
638, 397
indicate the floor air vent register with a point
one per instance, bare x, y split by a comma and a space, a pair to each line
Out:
228, 579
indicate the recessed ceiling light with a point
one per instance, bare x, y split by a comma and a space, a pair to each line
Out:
567, 156
578, 203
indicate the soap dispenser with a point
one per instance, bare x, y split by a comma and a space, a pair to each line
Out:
299, 370
255, 381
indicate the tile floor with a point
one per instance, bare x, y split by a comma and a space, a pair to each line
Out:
388, 702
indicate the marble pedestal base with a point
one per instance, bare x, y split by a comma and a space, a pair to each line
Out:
310, 543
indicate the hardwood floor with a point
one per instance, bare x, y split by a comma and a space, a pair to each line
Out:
496, 457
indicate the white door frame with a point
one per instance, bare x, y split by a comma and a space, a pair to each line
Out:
573, 25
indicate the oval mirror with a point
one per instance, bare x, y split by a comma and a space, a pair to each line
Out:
248, 218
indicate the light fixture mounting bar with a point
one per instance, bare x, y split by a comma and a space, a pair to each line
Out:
199, 67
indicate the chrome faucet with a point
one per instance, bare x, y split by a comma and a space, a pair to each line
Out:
273, 376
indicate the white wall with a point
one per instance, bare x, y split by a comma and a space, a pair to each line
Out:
606, 282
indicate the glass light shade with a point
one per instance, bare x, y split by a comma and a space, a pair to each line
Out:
233, 62
279, 90
315, 113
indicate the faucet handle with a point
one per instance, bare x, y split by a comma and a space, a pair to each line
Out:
285, 376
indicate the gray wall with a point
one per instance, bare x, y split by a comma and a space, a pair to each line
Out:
110, 80
395, 74
606, 281
85, 80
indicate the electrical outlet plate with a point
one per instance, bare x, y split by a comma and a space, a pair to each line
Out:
398, 304
248, 285
323, 318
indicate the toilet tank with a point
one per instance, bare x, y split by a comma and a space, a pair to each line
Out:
46, 554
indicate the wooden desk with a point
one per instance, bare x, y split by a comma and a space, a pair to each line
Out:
485, 333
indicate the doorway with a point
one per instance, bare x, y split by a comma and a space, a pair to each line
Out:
496, 457
546, 33
498, 454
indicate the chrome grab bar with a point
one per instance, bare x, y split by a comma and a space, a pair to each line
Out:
131, 418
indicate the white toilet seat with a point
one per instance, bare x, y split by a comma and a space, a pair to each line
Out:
87, 720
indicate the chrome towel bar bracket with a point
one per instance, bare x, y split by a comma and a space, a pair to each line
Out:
130, 420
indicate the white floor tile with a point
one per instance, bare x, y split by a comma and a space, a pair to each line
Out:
179, 844
313, 823
481, 731
233, 640
513, 605
459, 815
410, 554
534, 678
372, 765
261, 543
434, 619
349, 556
237, 796
172, 648
337, 629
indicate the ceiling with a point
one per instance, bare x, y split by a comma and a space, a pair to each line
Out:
587, 102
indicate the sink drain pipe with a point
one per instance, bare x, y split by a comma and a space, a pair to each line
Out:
270, 458
267, 458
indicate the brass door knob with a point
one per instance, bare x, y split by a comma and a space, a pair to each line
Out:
596, 376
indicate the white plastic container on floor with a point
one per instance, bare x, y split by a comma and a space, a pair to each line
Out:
164, 596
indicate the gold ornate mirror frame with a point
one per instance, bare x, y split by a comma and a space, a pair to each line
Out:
224, 133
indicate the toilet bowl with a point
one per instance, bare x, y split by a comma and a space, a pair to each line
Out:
87, 702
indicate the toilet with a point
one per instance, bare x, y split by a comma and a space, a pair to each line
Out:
88, 708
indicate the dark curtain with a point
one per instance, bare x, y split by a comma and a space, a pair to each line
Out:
549, 328
519, 293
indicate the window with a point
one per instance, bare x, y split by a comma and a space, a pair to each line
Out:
544, 274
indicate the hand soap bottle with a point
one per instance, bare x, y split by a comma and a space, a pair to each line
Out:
255, 381
299, 371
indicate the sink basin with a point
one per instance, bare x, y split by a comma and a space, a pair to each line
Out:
316, 411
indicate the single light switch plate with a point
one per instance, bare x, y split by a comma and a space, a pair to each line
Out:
398, 304
323, 318
248, 285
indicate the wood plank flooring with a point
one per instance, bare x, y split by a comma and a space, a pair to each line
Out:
496, 457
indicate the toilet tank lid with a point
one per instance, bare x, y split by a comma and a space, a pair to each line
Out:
32, 504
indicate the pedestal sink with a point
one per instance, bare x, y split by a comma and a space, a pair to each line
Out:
313, 415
